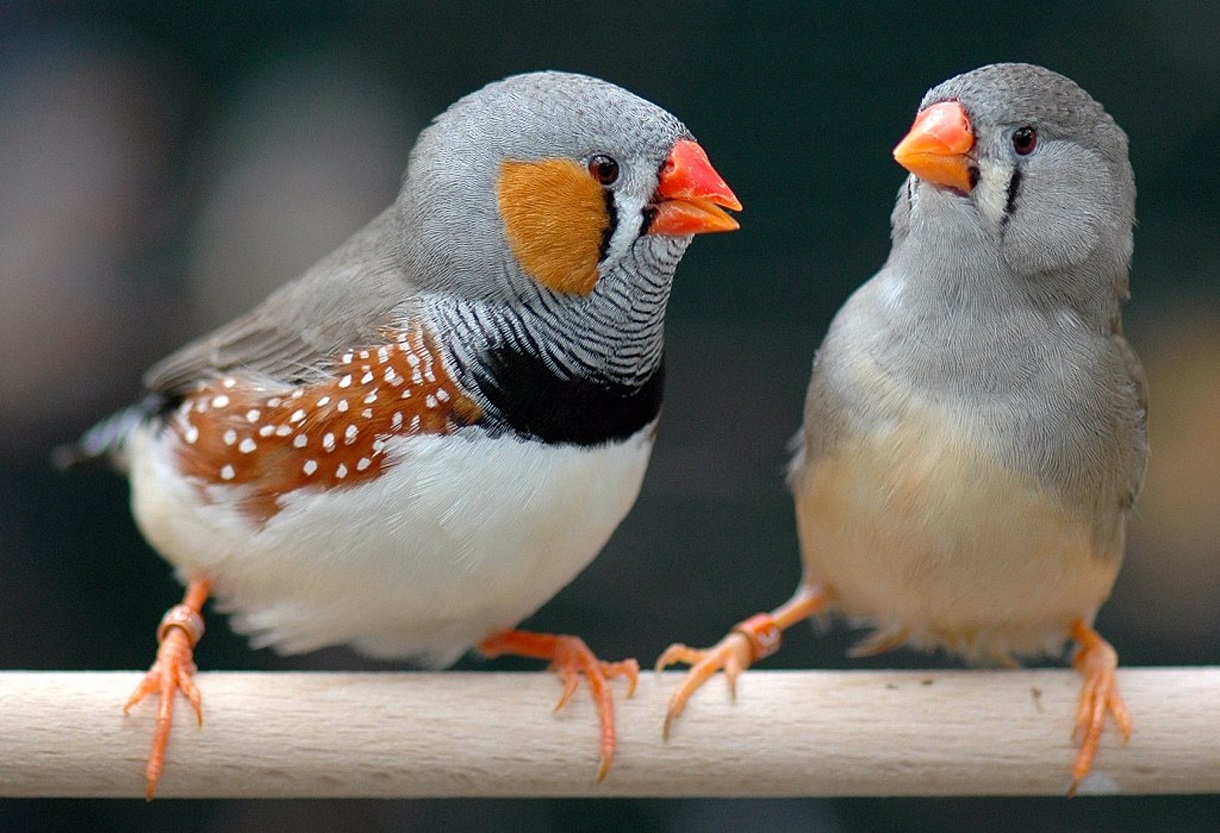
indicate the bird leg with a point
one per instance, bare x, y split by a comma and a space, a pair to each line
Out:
570, 658
1097, 662
180, 630
749, 641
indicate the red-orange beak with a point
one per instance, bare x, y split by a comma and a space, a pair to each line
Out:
936, 148
691, 196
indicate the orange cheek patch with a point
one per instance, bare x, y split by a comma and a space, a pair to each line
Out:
555, 220
327, 435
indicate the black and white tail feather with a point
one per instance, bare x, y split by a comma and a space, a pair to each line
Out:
105, 441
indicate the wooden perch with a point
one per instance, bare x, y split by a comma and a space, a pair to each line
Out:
494, 734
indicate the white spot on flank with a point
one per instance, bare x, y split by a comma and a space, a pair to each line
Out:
363, 463
430, 401
274, 402
268, 430
417, 378
428, 373
345, 381
325, 400
253, 414
310, 466
415, 422
300, 441
349, 435
220, 401
412, 359
378, 445
297, 416
393, 377
341, 405
371, 398
227, 472
192, 435
364, 354
406, 393
282, 430
328, 441
347, 358
229, 437
341, 471
247, 445
229, 382
367, 413
383, 354
366, 378
442, 394
298, 393
396, 423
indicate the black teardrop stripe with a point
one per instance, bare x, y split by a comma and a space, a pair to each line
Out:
611, 225
526, 397
1014, 185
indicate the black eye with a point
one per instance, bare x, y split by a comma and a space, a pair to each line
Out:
604, 169
1024, 140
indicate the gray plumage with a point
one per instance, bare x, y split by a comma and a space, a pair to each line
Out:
1003, 306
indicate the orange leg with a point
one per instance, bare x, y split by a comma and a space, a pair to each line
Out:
1097, 662
749, 641
570, 657
180, 630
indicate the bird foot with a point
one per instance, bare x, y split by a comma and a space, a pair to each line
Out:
572, 659
172, 672
1097, 662
749, 641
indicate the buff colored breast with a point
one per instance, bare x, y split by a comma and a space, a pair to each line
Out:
916, 528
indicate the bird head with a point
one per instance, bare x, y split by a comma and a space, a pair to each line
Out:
1028, 158
553, 180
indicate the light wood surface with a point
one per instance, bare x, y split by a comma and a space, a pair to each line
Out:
814, 733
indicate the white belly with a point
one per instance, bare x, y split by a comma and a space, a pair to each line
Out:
460, 538
917, 529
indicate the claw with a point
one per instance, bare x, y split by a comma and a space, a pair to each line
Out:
571, 659
733, 654
1097, 662
172, 672
749, 641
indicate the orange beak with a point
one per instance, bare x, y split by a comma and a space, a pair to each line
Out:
691, 196
936, 148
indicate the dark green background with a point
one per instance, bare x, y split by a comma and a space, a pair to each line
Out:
798, 106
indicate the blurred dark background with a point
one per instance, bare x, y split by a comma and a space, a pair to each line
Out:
164, 166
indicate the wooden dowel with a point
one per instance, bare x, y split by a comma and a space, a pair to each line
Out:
814, 733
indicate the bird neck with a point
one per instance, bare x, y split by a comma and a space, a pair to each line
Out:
952, 260
581, 370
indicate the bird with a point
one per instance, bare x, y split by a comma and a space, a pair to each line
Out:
975, 426
417, 442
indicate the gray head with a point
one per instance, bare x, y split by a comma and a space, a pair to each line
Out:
1028, 160
544, 179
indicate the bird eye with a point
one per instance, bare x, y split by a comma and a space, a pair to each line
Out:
1024, 140
604, 169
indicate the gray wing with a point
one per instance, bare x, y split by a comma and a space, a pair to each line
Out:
343, 300
1137, 460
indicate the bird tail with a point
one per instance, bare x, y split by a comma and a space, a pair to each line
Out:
105, 442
